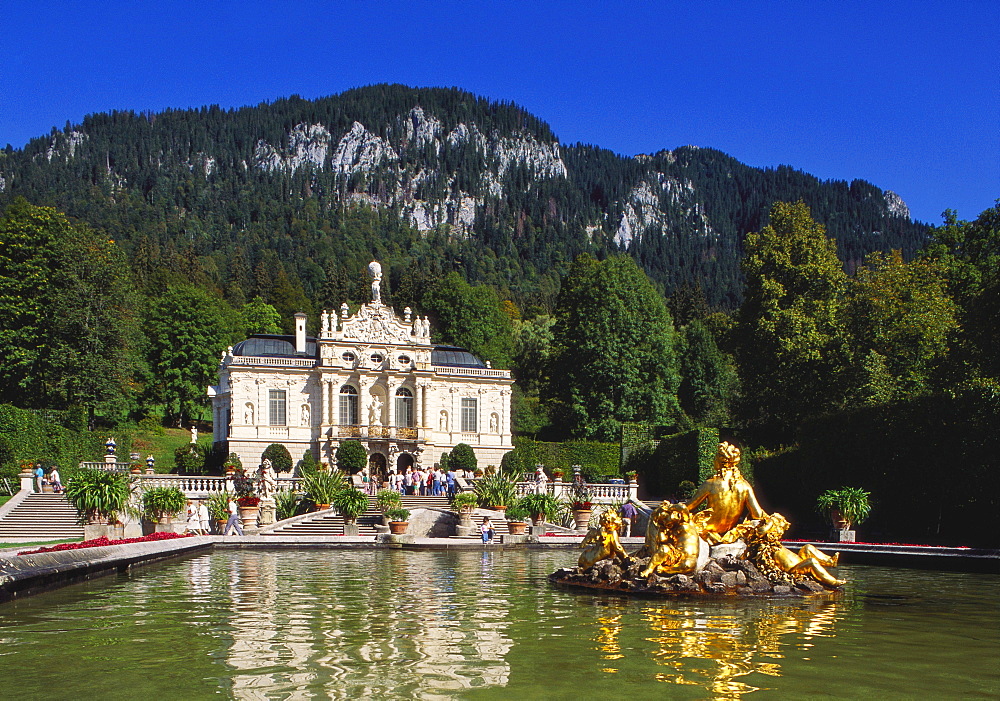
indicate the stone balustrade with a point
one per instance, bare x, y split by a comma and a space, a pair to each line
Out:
599, 493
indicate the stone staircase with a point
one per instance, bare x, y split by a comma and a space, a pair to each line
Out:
41, 517
328, 523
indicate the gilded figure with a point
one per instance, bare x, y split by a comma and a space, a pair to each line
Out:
767, 552
601, 543
730, 498
673, 540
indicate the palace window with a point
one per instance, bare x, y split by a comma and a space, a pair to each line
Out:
404, 407
470, 415
348, 406
276, 407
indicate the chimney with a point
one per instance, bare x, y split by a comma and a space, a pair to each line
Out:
300, 333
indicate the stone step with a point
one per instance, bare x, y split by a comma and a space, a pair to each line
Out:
43, 517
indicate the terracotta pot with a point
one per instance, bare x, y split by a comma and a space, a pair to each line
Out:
516, 527
499, 508
398, 527
322, 507
249, 514
582, 518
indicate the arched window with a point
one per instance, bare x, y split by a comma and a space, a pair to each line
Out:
348, 406
404, 407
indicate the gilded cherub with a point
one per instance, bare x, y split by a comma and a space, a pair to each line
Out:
603, 541
730, 498
673, 540
767, 552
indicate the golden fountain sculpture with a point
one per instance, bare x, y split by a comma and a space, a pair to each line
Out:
683, 543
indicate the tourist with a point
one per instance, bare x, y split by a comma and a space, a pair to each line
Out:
439, 480
408, 481
452, 481
487, 530
234, 519
55, 480
203, 518
193, 521
39, 478
629, 514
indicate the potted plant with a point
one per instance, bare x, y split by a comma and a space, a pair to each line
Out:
322, 487
517, 517
498, 490
249, 507
845, 507
232, 464
581, 506
99, 497
161, 504
464, 502
351, 503
632, 476
541, 507
557, 475
398, 520
218, 509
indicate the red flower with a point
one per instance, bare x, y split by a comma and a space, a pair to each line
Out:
248, 501
103, 540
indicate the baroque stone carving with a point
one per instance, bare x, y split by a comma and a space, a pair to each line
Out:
375, 324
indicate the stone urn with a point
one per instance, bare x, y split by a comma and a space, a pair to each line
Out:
248, 514
582, 518
516, 527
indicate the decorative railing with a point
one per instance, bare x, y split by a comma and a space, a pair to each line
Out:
472, 372
599, 493
273, 362
200, 485
363, 431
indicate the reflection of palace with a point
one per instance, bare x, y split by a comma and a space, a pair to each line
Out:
372, 376
324, 632
715, 648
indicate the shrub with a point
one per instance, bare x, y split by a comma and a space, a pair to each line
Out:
218, 505
308, 465
350, 502
233, 462
287, 504
352, 457
158, 502
464, 500
281, 459
544, 504
99, 494
388, 499
463, 457
323, 487
498, 489
190, 459
398, 514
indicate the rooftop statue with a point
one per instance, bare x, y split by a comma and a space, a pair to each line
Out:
730, 498
375, 268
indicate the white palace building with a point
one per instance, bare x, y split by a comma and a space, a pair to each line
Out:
372, 376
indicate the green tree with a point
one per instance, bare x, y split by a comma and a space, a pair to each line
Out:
68, 327
709, 379
792, 353
532, 347
351, 457
613, 356
473, 317
900, 319
281, 459
260, 317
188, 329
462, 457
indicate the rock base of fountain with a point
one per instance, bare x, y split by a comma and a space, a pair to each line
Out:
719, 577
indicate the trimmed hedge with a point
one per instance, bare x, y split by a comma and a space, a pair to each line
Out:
664, 461
53, 437
595, 459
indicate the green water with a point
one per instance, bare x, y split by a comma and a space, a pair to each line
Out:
397, 625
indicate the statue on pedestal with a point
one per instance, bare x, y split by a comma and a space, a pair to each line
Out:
267, 480
375, 268
730, 498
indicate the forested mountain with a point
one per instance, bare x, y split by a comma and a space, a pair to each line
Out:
300, 194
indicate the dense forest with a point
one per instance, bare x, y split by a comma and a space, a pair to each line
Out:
681, 289
423, 179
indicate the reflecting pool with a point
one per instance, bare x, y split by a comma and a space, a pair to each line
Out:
394, 625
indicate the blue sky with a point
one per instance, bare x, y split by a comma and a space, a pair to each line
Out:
903, 94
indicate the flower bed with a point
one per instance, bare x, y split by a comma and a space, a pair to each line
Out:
908, 545
103, 540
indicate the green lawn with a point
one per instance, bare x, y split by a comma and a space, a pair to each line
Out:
4, 500
32, 546
162, 447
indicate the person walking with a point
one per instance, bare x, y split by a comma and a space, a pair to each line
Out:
55, 480
39, 477
629, 514
193, 523
234, 519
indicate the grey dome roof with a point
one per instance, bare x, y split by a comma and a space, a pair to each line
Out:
270, 346
453, 356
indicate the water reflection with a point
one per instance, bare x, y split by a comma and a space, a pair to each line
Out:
386, 629
715, 648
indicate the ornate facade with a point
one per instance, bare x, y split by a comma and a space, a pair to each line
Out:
373, 376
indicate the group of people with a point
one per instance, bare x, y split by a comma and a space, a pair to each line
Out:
198, 518
434, 482
50, 478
